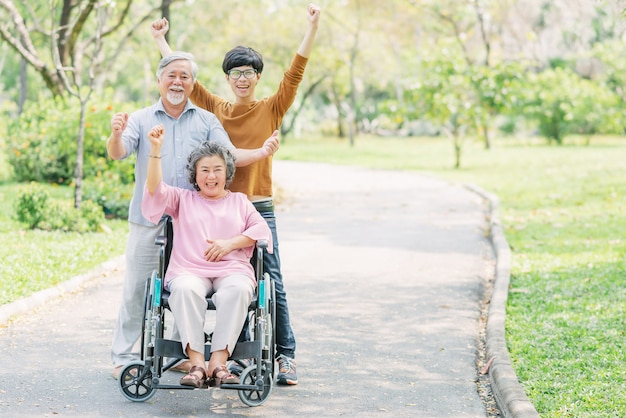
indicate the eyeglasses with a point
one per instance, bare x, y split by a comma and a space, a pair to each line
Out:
236, 74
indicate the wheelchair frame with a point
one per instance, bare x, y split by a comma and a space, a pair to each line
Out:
139, 380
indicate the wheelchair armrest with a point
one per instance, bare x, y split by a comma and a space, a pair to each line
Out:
261, 245
160, 240
168, 231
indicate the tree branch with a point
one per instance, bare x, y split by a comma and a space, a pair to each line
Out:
481, 23
132, 30
297, 111
24, 46
55, 50
64, 23
457, 34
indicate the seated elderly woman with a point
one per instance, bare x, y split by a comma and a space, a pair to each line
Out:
215, 231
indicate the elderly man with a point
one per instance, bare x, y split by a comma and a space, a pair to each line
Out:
186, 127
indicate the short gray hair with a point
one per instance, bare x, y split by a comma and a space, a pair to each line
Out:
209, 149
177, 56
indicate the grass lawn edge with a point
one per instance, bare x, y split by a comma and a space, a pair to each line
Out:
10, 311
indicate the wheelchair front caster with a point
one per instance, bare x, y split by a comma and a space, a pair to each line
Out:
249, 377
135, 382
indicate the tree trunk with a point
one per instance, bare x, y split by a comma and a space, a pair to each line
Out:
454, 134
80, 146
486, 137
286, 128
340, 132
457, 151
334, 97
165, 12
351, 123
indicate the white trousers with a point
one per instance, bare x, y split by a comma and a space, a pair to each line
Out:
231, 296
142, 258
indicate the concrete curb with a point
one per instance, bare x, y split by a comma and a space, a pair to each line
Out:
510, 396
36, 300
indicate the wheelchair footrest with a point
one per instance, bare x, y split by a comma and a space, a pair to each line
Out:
240, 387
174, 349
159, 386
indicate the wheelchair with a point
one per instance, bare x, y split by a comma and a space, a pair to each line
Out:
139, 380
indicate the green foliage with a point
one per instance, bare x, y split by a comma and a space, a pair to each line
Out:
6, 171
32, 255
612, 56
31, 205
494, 85
91, 216
35, 208
110, 193
564, 103
42, 147
562, 209
445, 94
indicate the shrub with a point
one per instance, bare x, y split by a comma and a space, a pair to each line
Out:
31, 205
92, 215
35, 208
583, 106
108, 191
41, 142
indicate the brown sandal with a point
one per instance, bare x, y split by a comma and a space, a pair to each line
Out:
227, 379
193, 380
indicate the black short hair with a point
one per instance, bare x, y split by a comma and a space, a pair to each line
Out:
240, 56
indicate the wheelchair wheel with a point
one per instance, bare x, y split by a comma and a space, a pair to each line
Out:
255, 397
135, 382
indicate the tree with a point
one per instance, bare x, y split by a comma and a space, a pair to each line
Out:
446, 96
65, 45
349, 56
563, 103
287, 126
469, 28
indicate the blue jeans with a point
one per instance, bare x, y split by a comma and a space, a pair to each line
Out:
285, 340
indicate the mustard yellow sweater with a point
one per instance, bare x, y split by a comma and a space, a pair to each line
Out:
249, 125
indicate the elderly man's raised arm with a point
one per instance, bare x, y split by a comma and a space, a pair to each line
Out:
114, 144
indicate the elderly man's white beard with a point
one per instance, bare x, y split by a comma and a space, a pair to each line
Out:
175, 98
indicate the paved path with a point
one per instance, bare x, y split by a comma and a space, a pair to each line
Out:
384, 273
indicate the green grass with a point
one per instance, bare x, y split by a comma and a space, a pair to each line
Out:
34, 260
563, 212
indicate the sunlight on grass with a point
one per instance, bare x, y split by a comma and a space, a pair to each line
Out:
563, 212
34, 260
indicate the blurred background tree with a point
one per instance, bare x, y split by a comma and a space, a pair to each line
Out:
456, 68
68, 44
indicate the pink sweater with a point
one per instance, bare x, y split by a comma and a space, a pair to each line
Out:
196, 219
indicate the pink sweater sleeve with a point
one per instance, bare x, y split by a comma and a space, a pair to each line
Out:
165, 200
256, 227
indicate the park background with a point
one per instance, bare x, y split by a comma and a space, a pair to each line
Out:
522, 98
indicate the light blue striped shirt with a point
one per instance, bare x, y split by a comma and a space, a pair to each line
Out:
182, 135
